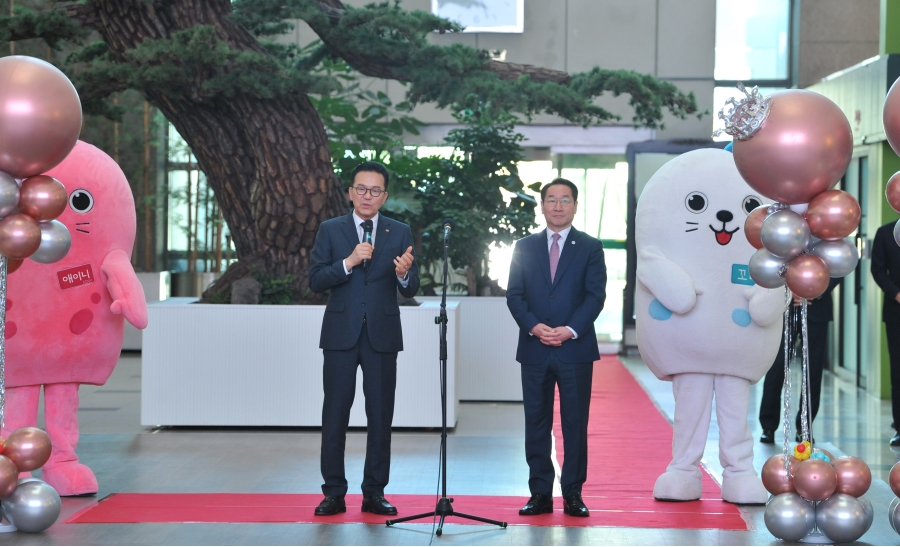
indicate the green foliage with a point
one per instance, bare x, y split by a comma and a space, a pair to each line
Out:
277, 290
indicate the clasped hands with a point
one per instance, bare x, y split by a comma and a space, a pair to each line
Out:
364, 251
551, 336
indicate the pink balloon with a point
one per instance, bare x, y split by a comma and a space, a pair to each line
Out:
9, 476
815, 480
807, 276
892, 191
28, 448
833, 214
853, 476
40, 116
753, 225
774, 477
894, 479
802, 149
890, 115
20, 235
42, 198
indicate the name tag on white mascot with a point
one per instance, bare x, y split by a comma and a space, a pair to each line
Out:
701, 320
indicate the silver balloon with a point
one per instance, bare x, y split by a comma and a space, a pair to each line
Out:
894, 513
9, 194
55, 242
842, 518
32, 507
789, 517
840, 256
767, 269
897, 232
785, 234
869, 511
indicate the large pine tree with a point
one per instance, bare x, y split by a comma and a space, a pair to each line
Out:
241, 101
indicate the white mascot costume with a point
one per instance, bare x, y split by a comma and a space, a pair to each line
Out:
701, 321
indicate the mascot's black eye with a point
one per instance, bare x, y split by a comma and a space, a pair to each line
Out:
81, 201
696, 202
751, 203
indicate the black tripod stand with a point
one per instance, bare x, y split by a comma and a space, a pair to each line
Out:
444, 508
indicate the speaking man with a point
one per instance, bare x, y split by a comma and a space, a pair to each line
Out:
361, 258
556, 289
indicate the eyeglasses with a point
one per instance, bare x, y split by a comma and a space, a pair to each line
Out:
361, 190
551, 202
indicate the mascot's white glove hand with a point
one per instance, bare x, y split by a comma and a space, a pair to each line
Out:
666, 281
766, 305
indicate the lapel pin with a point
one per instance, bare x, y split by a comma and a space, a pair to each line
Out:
573, 243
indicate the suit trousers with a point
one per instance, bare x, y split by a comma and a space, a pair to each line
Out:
538, 392
893, 342
379, 383
770, 406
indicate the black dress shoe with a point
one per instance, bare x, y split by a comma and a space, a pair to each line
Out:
331, 505
895, 440
378, 505
767, 437
538, 504
574, 506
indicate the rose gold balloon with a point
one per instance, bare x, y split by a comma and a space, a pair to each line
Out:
775, 478
20, 235
853, 476
802, 149
833, 214
891, 116
815, 480
42, 198
892, 191
40, 116
894, 479
28, 448
753, 225
807, 276
9, 476
12, 264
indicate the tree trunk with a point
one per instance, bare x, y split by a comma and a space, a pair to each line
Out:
267, 160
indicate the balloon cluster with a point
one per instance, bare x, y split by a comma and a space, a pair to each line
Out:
894, 509
891, 119
30, 505
793, 147
819, 492
40, 119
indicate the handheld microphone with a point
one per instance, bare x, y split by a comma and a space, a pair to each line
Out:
448, 225
367, 238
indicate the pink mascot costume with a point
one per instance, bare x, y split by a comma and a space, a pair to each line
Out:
65, 321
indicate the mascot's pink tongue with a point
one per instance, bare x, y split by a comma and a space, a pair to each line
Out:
723, 237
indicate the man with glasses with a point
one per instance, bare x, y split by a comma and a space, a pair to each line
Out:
361, 327
556, 289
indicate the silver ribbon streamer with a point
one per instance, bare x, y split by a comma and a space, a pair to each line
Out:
788, 346
804, 394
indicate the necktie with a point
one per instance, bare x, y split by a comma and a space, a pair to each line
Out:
554, 256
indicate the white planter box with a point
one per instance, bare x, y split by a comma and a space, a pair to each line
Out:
157, 286
488, 370
258, 365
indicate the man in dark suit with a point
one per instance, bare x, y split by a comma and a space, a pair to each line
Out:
556, 289
819, 312
886, 272
361, 327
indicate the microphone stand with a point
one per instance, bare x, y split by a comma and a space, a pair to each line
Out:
444, 506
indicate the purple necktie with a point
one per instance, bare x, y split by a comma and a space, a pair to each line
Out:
554, 256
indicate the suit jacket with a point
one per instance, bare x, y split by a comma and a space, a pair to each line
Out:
886, 271
821, 309
371, 294
574, 298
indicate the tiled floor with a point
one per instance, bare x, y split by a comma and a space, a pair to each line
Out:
485, 457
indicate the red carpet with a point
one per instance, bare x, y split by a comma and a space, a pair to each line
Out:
629, 446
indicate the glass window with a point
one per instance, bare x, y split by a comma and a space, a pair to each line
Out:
752, 38
483, 15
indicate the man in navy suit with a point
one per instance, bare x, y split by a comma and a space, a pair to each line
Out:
886, 272
556, 289
361, 327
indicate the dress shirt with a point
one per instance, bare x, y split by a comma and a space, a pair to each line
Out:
404, 281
